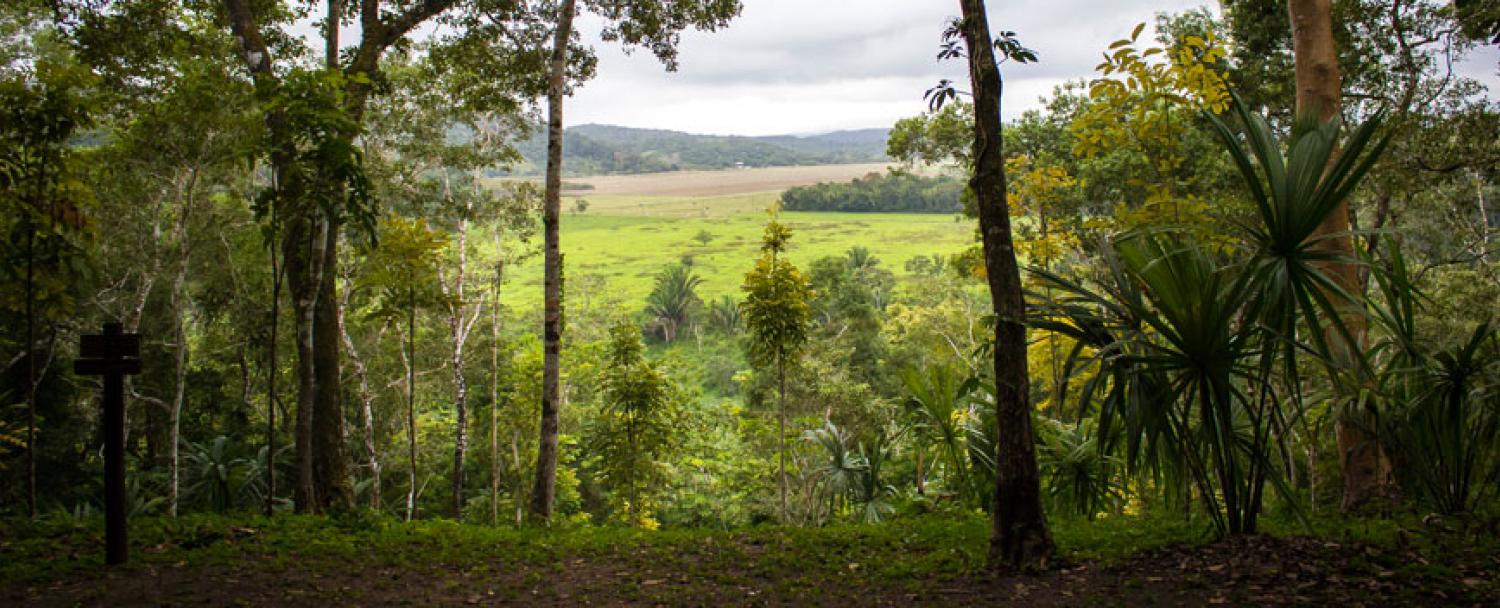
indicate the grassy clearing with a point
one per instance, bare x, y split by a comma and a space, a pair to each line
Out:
625, 252
930, 547
636, 224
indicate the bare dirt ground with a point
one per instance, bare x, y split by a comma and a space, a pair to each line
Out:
1246, 571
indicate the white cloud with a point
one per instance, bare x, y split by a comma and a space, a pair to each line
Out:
817, 65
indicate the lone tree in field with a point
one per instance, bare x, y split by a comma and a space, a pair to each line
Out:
1019, 538
778, 312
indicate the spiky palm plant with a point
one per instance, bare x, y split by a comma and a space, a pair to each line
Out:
1443, 419
674, 299
1079, 476
936, 403
724, 316
217, 472
1292, 193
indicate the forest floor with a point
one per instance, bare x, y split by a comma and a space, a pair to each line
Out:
308, 561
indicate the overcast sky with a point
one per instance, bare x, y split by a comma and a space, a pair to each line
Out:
807, 66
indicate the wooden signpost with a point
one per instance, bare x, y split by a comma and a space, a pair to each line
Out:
112, 355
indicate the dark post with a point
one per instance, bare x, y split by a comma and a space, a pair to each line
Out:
112, 355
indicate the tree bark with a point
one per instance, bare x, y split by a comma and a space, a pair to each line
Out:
495, 377
366, 408
1019, 538
544, 488
1365, 467
272, 369
323, 482
459, 326
31, 378
180, 360
410, 359
781, 431
303, 256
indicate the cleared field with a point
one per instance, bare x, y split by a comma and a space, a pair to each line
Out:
620, 255
635, 225
719, 183
702, 207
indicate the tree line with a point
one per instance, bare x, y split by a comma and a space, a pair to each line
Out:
894, 192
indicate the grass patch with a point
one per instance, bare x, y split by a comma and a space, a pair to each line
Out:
635, 248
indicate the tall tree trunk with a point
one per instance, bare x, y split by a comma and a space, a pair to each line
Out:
272, 369
1020, 538
921, 473
179, 337
515, 461
781, 430
30, 367
179, 393
544, 488
495, 377
330, 468
410, 359
366, 406
1365, 467
330, 476
458, 328
303, 256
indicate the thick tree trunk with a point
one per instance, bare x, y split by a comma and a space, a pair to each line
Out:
330, 470
544, 488
1366, 468
1020, 538
322, 481
303, 255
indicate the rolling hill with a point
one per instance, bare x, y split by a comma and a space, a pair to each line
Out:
606, 149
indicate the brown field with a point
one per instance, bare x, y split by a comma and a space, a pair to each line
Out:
724, 182
720, 183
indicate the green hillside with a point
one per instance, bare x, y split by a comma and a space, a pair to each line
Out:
606, 149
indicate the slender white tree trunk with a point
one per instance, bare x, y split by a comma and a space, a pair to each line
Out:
366, 403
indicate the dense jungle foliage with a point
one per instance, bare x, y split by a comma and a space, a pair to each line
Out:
322, 278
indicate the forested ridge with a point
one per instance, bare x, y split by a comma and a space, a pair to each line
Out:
608, 149
1225, 332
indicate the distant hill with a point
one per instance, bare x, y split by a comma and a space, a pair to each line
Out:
606, 149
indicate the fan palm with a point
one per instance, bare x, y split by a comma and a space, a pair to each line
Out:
673, 299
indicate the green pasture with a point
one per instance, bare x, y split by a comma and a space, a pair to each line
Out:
621, 243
